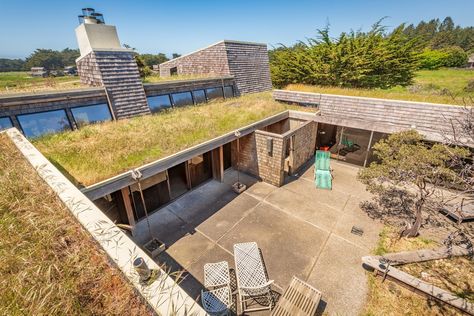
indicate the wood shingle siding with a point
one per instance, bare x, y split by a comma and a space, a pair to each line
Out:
247, 62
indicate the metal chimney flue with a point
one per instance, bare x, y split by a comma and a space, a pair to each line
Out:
89, 16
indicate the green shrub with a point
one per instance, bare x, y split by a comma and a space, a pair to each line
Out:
432, 59
452, 56
456, 56
355, 59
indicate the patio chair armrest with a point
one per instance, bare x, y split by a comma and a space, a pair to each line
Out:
268, 283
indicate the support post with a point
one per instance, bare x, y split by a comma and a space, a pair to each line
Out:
128, 207
368, 148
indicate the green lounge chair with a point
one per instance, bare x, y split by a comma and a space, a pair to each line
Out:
322, 160
322, 170
323, 179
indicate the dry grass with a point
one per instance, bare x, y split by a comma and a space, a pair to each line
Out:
48, 264
22, 82
157, 78
389, 298
97, 152
434, 86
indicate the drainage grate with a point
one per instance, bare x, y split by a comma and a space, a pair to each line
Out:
357, 231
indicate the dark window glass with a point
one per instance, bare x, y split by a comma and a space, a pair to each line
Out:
84, 115
37, 124
174, 71
214, 93
199, 96
159, 102
183, 98
228, 92
5, 123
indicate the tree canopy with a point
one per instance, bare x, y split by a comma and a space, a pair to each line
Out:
371, 59
410, 174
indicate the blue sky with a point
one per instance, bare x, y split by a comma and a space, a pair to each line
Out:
183, 26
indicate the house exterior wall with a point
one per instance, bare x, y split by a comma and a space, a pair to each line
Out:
247, 154
11, 106
117, 71
211, 60
303, 145
432, 120
270, 164
247, 62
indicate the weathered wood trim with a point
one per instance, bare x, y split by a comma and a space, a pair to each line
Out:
420, 286
116, 183
128, 207
417, 285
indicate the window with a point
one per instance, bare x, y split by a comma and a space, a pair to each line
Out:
90, 114
174, 71
214, 93
199, 96
181, 99
159, 102
5, 123
228, 92
37, 124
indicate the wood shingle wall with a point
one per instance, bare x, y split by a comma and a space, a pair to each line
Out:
381, 115
247, 62
117, 71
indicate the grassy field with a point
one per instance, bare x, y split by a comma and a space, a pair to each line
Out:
389, 298
17, 82
97, 152
157, 78
48, 264
435, 86
22, 82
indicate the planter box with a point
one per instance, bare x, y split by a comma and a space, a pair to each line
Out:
154, 247
239, 187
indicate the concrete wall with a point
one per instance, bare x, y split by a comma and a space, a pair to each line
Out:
211, 60
247, 62
96, 37
163, 295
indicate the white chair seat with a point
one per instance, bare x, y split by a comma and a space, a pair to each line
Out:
216, 274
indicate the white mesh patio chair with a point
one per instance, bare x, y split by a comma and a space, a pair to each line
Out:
216, 274
252, 281
217, 302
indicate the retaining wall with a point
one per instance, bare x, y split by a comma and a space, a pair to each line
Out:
163, 294
381, 115
26, 103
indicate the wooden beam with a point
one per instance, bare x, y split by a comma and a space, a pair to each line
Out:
419, 285
125, 179
217, 164
128, 207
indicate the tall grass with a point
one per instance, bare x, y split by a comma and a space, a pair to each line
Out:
389, 298
434, 86
97, 152
22, 82
48, 264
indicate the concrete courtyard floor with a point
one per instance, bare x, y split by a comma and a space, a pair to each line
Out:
300, 230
